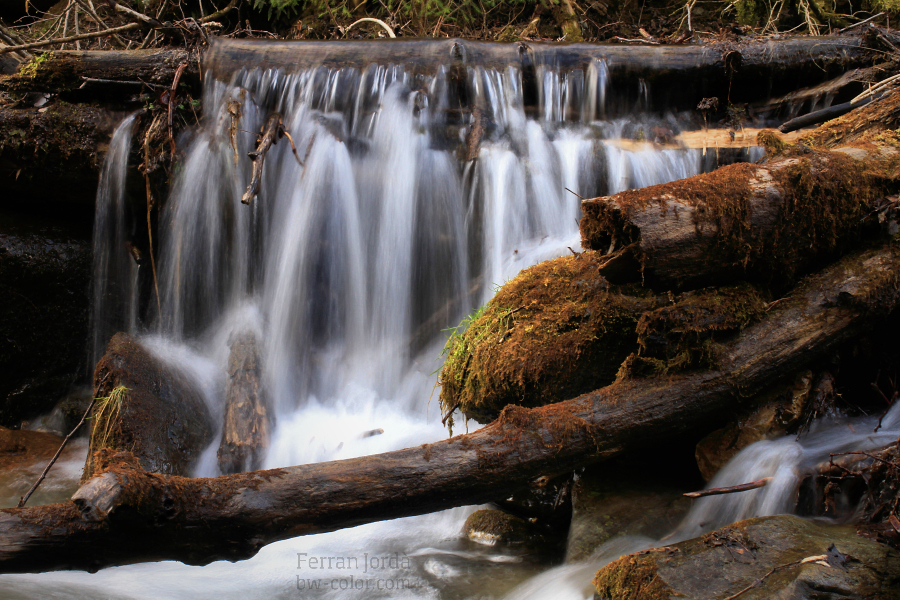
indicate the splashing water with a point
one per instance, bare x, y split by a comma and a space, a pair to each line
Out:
347, 268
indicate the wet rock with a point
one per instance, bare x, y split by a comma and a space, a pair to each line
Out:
44, 282
23, 456
245, 434
778, 412
159, 416
607, 504
54, 152
490, 527
739, 557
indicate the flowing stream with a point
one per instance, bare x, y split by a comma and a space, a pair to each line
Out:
347, 268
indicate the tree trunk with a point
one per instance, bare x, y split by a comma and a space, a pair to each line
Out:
198, 521
769, 223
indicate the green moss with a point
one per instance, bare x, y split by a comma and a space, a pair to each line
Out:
632, 577
680, 336
30, 69
557, 330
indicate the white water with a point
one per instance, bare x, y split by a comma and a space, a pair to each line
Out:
337, 265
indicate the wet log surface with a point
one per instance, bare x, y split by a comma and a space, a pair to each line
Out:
92, 72
201, 520
769, 222
678, 76
245, 433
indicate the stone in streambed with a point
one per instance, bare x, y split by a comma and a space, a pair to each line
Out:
720, 564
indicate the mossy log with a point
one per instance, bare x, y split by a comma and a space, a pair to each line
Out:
768, 223
198, 521
91, 72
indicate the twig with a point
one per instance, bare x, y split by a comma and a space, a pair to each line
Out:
449, 412
731, 489
141, 17
863, 22
219, 13
635, 41
796, 563
575, 193
25, 498
876, 88
120, 82
172, 92
89, 9
83, 36
147, 137
390, 31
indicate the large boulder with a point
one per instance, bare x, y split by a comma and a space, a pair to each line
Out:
148, 408
782, 557
45, 269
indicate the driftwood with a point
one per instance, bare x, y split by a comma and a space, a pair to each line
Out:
271, 132
769, 222
245, 433
230, 517
732, 489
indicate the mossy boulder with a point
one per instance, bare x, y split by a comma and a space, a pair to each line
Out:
557, 330
742, 557
157, 413
490, 526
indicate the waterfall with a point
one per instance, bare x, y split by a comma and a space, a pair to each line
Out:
348, 266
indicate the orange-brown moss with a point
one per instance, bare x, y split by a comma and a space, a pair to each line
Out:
632, 577
863, 123
557, 330
680, 336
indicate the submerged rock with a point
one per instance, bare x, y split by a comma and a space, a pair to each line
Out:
149, 409
606, 505
489, 526
811, 561
44, 282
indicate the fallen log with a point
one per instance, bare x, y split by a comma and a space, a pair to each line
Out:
678, 75
768, 223
231, 517
92, 72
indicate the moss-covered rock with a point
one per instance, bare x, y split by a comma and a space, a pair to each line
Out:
555, 331
743, 556
148, 408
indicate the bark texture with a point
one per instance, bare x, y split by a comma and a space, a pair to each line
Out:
201, 520
769, 223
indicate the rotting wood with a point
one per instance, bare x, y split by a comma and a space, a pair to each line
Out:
67, 70
231, 517
245, 434
770, 222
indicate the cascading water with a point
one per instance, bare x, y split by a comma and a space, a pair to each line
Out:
347, 267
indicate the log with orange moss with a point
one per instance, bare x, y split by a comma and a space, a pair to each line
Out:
125, 514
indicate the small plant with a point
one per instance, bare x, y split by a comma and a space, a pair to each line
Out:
105, 416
